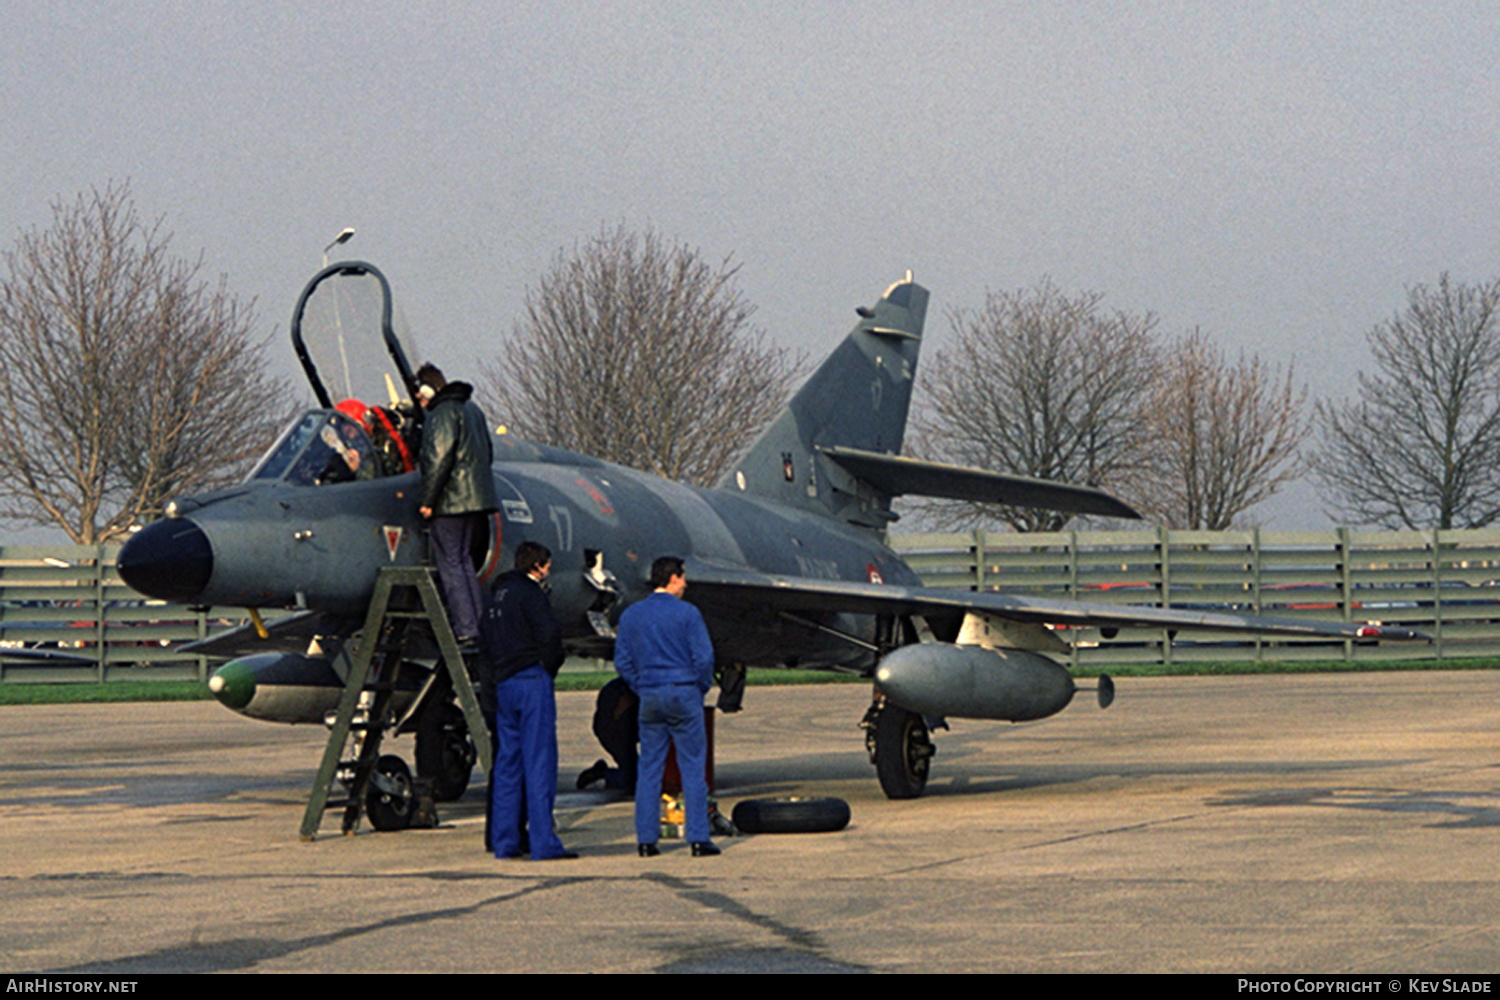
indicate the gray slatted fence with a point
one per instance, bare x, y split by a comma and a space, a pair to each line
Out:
1446, 583
65, 615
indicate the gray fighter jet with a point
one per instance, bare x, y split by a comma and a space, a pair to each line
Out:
786, 556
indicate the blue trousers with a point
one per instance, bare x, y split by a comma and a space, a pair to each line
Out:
525, 764
672, 713
452, 537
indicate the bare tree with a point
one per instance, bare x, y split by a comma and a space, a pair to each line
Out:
1421, 446
123, 378
638, 351
1223, 437
1039, 384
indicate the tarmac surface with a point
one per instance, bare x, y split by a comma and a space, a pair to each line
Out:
1330, 823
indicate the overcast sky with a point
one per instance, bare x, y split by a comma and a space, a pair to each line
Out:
1276, 173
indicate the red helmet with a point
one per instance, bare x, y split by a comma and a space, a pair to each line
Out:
357, 411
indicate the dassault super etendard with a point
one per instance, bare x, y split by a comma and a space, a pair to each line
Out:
786, 555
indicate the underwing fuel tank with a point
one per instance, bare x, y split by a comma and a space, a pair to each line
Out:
972, 682
287, 687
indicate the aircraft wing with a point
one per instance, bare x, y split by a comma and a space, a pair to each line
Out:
34, 657
289, 634
710, 586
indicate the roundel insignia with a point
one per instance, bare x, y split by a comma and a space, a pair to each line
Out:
874, 572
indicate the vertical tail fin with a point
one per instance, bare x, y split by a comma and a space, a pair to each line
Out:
858, 398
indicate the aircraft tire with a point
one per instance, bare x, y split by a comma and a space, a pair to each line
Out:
392, 810
445, 752
791, 815
903, 752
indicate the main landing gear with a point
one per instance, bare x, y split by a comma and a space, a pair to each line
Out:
900, 747
898, 739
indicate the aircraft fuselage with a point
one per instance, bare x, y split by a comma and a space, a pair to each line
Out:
270, 544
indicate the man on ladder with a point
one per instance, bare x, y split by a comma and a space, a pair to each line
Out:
458, 490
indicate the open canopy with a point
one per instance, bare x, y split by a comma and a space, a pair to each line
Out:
342, 333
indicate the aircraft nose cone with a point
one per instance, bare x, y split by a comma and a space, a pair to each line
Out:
170, 560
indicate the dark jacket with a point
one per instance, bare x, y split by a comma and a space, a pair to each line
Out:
518, 630
456, 455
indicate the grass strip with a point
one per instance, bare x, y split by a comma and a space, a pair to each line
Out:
72, 692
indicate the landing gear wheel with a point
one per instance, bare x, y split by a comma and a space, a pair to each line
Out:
903, 752
392, 799
445, 753
791, 815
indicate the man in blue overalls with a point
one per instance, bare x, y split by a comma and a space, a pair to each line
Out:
663, 651
520, 653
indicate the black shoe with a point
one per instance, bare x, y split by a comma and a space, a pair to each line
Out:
648, 850
594, 772
705, 849
564, 856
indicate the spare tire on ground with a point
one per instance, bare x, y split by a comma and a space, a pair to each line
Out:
791, 815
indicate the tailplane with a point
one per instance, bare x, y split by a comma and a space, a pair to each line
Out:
858, 400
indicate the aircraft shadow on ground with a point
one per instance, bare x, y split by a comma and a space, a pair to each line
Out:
1453, 810
974, 770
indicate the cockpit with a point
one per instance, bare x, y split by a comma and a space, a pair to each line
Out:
320, 448
341, 320
323, 447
